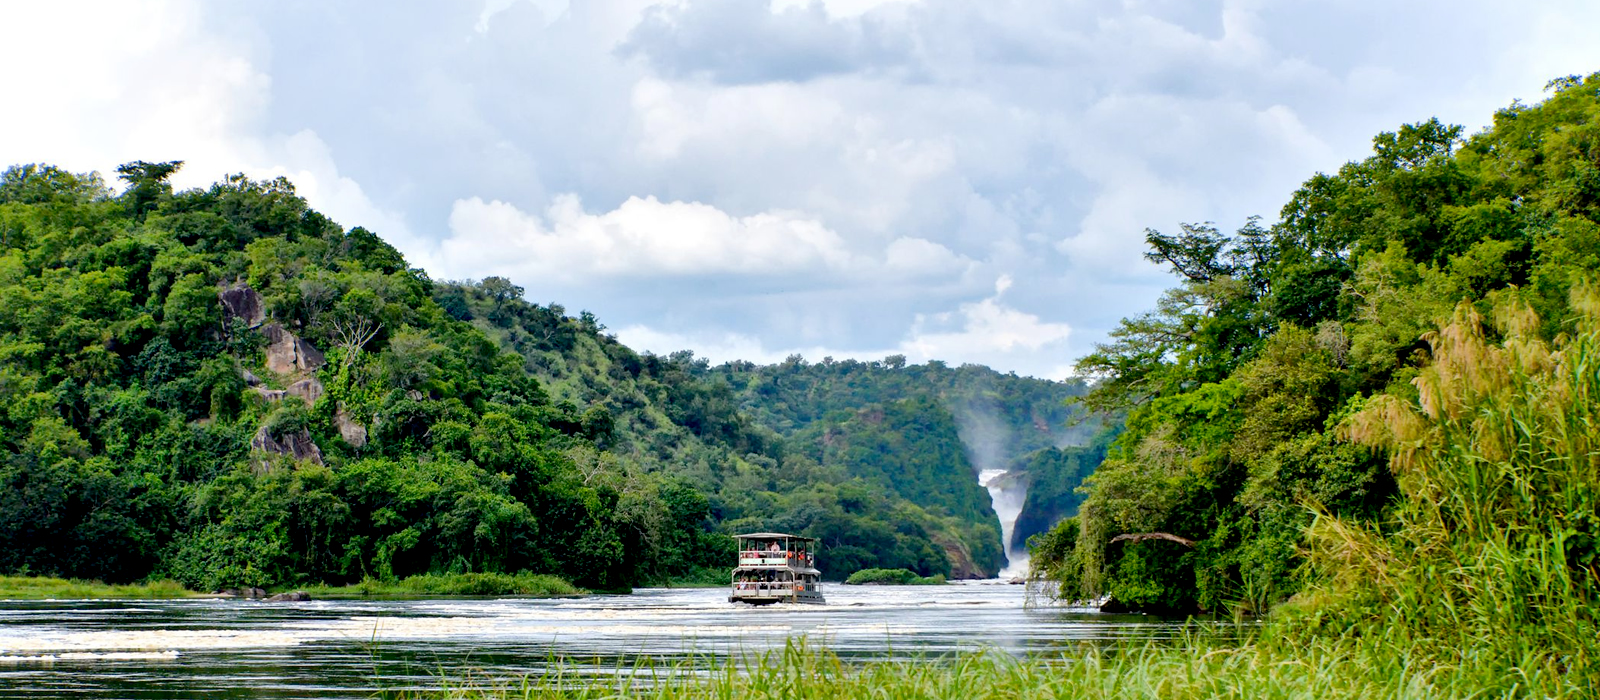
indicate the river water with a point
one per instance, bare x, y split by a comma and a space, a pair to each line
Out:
213, 648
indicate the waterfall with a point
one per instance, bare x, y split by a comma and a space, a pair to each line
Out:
1007, 492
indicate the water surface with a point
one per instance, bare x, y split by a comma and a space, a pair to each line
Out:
349, 649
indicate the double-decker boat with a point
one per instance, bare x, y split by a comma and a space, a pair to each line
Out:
776, 568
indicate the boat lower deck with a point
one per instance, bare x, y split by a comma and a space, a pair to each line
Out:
776, 568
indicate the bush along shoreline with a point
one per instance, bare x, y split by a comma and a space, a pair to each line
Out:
50, 588
892, 577
422, 586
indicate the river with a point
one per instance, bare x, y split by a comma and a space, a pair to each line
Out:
210, 648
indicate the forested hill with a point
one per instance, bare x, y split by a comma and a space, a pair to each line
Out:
1360, 379
1029, 426
224, 387
717, 429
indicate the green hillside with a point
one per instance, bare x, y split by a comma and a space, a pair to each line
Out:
223, 387
678, 415
946, 424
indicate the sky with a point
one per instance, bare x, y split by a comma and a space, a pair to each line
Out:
749, 179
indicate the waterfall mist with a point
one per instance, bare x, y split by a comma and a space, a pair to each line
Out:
1008, 492
988, 444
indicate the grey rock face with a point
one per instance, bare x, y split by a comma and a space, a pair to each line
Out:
270, 394
309, 389
288, 354
297, 445
292, 596
355, 434
241, 302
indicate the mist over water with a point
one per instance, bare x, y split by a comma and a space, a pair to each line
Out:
1008, 492
989, 447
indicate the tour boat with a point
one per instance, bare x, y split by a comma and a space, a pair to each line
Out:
776, 568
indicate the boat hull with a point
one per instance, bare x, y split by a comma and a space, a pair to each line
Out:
763, 598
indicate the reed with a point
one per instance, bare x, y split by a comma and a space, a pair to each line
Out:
1195, 668
1493, 554
44, 587
472, 584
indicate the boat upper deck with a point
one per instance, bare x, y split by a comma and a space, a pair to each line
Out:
773, 550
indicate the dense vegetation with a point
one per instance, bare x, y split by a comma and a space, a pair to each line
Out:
751, 438
1055, 479
1382, 410
223, 387
922, 432
1320, 406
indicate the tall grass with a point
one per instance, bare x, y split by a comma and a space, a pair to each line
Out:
452, 584
1493, 556
44, 587
1196, 668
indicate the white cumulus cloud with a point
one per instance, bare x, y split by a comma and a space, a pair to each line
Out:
646, 237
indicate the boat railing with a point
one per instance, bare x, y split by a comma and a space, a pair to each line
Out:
756, 557
771, 586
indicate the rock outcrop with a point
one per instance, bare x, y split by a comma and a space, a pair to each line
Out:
353, 433
288, 354
241, 302
297, 444
308, 389
961, 565
290, 597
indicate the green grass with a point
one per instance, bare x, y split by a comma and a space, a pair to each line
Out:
895, 577
1191, 668
44, 587
451, 585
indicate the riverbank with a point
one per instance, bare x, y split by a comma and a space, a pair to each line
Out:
538, 585
535, 585
47, 588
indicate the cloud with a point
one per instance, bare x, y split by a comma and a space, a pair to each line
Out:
132, 81
849, 175
986, 329
155, 81
646, 238
740, 41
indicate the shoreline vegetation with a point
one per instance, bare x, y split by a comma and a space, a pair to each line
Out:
425, 585
1197, 666
50, 588
892, 577
474, 584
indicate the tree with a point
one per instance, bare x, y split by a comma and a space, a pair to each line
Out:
147, 184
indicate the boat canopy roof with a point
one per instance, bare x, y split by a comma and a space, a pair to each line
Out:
774, 536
